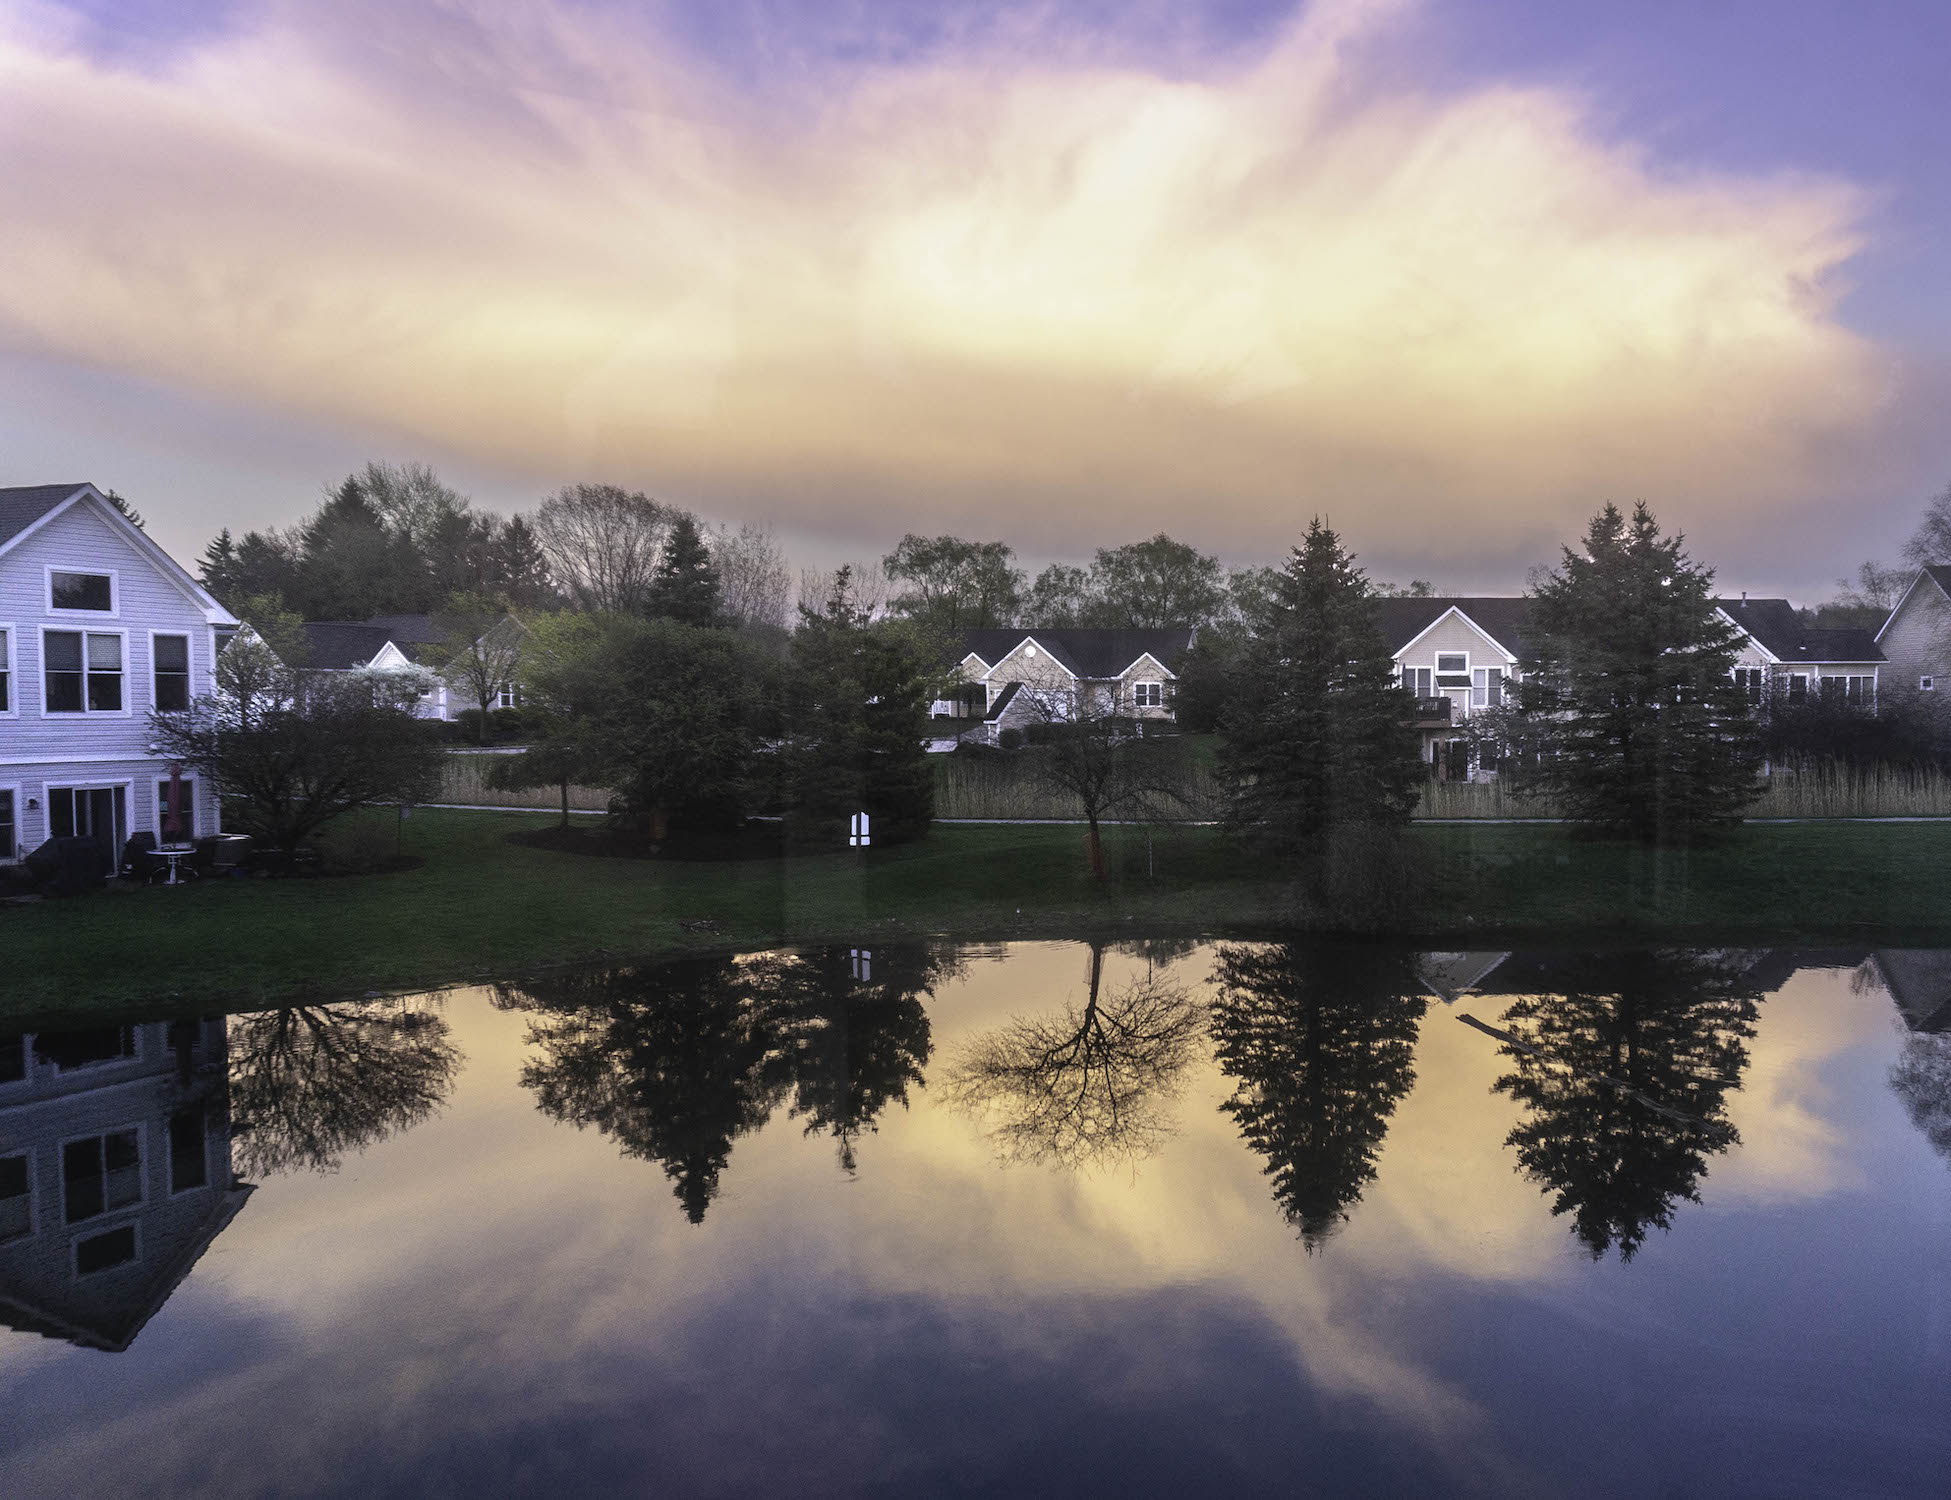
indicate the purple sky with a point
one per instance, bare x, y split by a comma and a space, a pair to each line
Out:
1787, 97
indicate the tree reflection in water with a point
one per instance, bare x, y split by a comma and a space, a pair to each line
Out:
1086, 1086
1321, 1039
676, 1062
1921, 1078
1626, 1073
310, 1083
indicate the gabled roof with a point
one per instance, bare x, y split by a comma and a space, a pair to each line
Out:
23, 505
1937, 573
1778, 629
1501, 617
1088, 653
338, 645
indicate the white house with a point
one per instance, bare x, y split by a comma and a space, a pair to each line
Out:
1457, 657
1916, 639
1784, 660
396, 644
98, 625
1017, 676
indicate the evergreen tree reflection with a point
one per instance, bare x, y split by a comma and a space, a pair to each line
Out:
309, 1084
677, 1062
1321, 1040
1626, 1073
1088, 1085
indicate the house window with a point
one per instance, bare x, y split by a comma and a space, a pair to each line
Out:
1149, 694
1416, 681
185, 826
16, 1200
172, 667
104, 1252
188, 1167
1924, 685
1487, 687
101, 1173
505, 696
1451, 663
1849, 689
1798, 687
88, 1048
84, 672
93, 592
1749, 681
6, 673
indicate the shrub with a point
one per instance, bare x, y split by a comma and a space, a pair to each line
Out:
1012, 739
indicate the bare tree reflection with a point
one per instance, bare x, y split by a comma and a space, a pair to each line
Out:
679, 1061
1921, 1078
1626, 1074
1321, 1038
308, 1084
1086, 1086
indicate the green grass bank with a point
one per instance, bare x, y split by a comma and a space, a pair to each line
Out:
481, 907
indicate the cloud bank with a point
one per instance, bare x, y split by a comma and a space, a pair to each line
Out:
998, 289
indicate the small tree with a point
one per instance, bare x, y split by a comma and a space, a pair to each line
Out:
482, 649
1092, 752
954, 584
296, 750
685, 588
1630, 692
1315, 731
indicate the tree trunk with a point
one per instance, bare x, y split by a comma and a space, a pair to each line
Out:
1094, 845
565, 804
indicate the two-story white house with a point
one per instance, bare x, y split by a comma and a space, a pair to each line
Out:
1457, 657
98, 625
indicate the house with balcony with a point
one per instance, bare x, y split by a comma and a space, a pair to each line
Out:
115, 1174
1014, 678
98, 625
1457, 657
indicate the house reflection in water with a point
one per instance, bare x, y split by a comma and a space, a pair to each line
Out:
115, 1174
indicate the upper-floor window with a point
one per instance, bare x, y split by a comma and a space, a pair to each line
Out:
172, 669
100, 1173
1416, 680
1450, 662
506, 696
6, 672
1749, 680
94, 592
1487, 687
84, 672
1149, 694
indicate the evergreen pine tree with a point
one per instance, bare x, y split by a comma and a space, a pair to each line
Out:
134, 515
685, 587
1630, 695
217, 568
1316, 731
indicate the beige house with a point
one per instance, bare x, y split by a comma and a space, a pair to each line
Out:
1916, 639
1785, 661
1458, 657
1019, 677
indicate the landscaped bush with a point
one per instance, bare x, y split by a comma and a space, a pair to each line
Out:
1012, 739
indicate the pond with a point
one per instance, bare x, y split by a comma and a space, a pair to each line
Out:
1039, 1218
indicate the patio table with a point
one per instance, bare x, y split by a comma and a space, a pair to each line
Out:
175, 854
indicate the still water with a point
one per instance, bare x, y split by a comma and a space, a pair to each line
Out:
1045, 1218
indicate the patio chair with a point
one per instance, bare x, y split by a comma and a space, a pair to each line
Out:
139, 858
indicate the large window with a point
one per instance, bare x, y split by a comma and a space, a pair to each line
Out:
1416, 680
1851, 689
1749, 680
6, 673
184, 828
172, 669
84, 672
16, 1199
93, 592
1149, 694
101, 1173
85, 1047
1487, 687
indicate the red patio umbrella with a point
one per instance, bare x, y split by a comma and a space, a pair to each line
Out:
172, 825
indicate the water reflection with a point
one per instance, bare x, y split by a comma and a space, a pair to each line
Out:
1919, 981
312, 1084
1320, 1040
677, 1062
1625, 1061
1089, 1085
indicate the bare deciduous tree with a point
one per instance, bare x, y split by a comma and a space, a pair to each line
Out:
603, 544
755, 590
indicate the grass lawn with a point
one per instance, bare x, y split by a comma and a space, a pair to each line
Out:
481, 907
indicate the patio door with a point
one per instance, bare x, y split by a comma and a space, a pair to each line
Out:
100, 813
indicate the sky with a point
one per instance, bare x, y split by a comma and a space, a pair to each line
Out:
1449, 274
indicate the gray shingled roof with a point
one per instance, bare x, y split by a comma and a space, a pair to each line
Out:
1087, 653
1503, 617
23, 505
342, 644
1778, 629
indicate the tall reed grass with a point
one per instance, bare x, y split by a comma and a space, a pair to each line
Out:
464, 779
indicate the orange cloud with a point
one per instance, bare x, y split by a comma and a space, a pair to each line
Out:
1032, 298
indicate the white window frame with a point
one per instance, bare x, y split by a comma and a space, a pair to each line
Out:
1417, 683
28, 1154
1803, 696
7, 652
1138, 694
7, 854
134, 1226
1927, 684
188, 638
113, 575
142, 1158
126, 711
1437, 669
